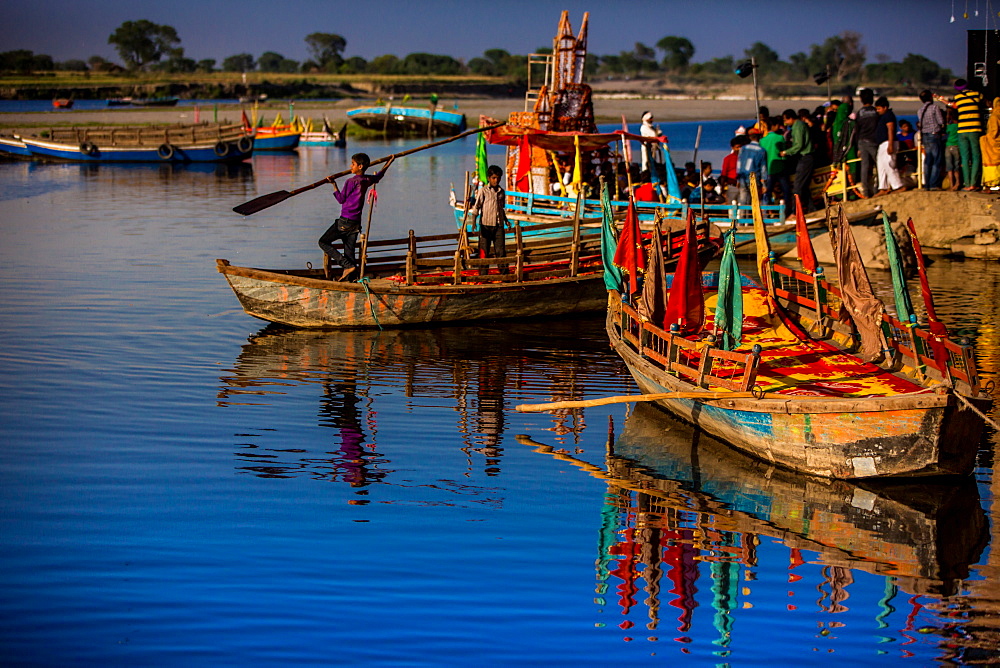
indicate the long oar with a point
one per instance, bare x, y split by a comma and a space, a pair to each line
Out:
265, 201
586, 403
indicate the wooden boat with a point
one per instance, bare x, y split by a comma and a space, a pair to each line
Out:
436, 280
926, 534
396, 121
119, 101
275, 137
205, 142
818, 408
62, 103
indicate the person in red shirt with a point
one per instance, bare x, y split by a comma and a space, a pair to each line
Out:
727, 179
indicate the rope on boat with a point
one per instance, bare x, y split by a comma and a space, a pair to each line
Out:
978, 412
364, 283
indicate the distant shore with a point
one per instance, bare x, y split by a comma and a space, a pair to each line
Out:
606, 109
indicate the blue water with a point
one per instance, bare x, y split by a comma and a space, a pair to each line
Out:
182, 485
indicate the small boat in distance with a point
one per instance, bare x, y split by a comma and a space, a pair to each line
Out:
154, 102
63, 103
119, 101
325, 137
398, 121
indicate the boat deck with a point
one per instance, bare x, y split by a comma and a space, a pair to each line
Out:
798, 365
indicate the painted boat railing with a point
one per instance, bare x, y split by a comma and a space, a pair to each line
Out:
698, 362
530, 204
913, 348
147, 135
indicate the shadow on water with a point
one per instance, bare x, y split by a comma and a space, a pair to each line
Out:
683, 506
472, 371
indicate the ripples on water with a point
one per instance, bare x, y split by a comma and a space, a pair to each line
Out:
182, 485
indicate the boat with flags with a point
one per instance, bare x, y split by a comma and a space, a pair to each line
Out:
278, 136
794, 370
555, 155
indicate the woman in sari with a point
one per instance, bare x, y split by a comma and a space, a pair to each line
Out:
990, 144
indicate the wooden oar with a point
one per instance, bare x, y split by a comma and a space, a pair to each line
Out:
265, 201
633, 398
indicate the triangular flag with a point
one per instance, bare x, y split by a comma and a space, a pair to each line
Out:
613, 278
900, 293
807, 256
759, 232
481, 159
652, 305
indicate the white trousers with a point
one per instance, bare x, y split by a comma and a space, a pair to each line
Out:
885, 163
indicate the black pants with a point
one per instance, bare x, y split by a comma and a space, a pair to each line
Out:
347, 231
491, 238
803, 177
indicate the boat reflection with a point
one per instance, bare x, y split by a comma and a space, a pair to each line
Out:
685, 512
473, 371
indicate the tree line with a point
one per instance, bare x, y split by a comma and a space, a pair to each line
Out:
144, 46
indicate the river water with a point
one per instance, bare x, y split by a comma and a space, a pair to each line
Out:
182, 485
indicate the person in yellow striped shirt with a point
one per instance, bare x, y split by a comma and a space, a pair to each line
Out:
968, 103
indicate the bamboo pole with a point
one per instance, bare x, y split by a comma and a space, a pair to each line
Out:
633, 398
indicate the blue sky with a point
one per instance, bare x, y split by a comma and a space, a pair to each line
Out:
216, 29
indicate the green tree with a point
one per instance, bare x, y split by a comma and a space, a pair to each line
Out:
325, 49
142, 43
765, 57
73, 66
843, 53
677, 52
241, 62
387, 64
430, 63
206, 65
354, 65
25, 62
270, 61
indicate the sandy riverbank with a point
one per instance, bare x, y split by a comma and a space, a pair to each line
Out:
607, 110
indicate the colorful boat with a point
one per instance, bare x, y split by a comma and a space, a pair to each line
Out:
799, 391
325, 137
420, 281
205, 142
63, 103
397, 121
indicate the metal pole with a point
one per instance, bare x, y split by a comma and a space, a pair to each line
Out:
756, 101
828, 93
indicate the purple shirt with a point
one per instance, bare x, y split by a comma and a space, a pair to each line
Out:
352, 195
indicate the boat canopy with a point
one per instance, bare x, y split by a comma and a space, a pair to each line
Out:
563, 142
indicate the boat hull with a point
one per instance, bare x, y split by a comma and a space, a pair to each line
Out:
281, 142
12, 147
299, 301
206, 152
408, 120
847, 438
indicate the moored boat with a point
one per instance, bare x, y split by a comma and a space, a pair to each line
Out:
63, 103
11, 146
808, 387
394, 121
154, 101
420, 281
203, 142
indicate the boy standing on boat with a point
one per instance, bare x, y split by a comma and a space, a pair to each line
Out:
352, 200
490, 202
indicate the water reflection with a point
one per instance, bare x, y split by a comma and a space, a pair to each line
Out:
684, 513
473, 371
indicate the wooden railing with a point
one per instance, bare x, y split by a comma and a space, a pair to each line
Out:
147, 135
698, 362
910, 345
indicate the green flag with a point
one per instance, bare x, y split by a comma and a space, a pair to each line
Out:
609, 242
900, 293
481, 161
729, 307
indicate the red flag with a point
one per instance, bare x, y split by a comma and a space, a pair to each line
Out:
246, 121
522, 179
686, 303
629, 256
807, 256
936, 326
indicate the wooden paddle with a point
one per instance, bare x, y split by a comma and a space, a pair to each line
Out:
265, 201
586, 403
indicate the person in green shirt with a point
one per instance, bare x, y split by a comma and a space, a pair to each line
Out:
801, 154
952, 154
773, 144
